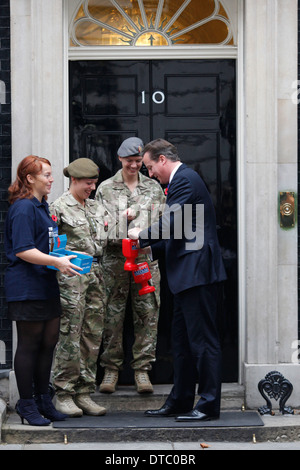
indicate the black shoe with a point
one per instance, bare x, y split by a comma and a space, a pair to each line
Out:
196, 415
164, 411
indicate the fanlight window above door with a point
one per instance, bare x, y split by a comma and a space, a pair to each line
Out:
151, 23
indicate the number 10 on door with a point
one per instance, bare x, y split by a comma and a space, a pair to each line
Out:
158, 97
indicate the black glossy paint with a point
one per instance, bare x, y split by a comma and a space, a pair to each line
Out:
191, 103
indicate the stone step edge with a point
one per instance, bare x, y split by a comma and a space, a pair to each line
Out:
126, 398
24, 434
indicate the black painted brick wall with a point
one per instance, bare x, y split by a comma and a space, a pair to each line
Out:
298, 176
5, 171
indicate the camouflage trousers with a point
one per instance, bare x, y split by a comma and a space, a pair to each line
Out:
145, 310
81, 329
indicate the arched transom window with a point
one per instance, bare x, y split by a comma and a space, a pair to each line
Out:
151, 23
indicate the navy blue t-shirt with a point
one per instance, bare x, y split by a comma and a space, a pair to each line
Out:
27, 226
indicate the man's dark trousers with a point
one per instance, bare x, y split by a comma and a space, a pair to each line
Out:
196, 350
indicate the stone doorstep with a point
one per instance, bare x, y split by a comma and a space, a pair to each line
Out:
124, 399
276, 428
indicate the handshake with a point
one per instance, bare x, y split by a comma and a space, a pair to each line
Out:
141, 272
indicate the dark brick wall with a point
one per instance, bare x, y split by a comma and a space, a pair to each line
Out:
298, 175
5, 170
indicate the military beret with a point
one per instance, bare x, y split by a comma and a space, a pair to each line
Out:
131, 147
82, 168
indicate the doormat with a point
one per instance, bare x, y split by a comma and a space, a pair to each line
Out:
138, 420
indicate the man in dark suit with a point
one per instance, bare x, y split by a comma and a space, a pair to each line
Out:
194, 266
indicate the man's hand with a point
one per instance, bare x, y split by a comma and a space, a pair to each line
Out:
133, 233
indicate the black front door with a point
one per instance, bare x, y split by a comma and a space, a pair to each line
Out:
191, 103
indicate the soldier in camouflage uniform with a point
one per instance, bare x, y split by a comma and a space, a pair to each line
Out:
129, 193
84, 222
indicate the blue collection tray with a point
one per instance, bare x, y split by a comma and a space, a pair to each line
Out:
81, 260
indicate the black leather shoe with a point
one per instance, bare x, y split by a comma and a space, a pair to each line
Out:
164, 411
196, 415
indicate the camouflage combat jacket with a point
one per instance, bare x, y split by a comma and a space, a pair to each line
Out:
86, 226
147, 200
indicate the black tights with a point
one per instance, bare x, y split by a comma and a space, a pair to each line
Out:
34, 354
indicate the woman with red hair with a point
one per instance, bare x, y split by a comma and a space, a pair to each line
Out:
32, 290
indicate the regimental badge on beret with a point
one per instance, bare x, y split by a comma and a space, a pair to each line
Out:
131, 147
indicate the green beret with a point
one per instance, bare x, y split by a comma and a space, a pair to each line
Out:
131, 147
82, 168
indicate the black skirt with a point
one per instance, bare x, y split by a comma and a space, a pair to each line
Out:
34, 310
